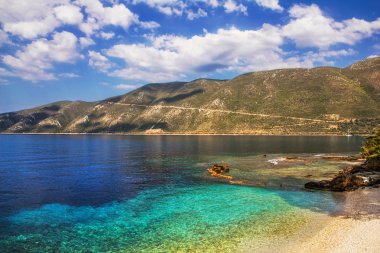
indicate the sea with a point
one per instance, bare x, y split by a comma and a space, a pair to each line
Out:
120, 193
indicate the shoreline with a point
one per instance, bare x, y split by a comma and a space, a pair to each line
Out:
196, 134
354, 228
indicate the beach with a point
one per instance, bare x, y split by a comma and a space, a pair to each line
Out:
354, 228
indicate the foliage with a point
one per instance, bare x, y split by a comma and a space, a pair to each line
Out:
371, 149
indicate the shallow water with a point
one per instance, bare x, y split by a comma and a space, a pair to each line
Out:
151, 193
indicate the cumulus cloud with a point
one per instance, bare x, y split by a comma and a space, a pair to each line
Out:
232, 6
32, 29
324, 57
68, 14
167, 7
172, 57
200, 13
310, 27
169, 57
35, 60
99, 61
270, 4
149, 25
212, 3
106, 35
33, 19
29, 19
86, 42
99, 16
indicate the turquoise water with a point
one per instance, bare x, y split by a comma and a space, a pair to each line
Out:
135, 194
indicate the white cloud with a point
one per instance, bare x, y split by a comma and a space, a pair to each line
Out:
309, 27
29, 19
167, 7
149, 24
324, 57
34, 60
126, 86
173, 57
194, 15
231, 6
86, 42
33, 19
32, 29
270, 4
99, 16
99, 61
212, 3
106, 35
68, 14
373, 56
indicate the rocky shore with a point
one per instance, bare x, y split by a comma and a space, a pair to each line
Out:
354, 177
350, 178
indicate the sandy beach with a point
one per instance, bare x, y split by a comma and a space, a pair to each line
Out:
356, 228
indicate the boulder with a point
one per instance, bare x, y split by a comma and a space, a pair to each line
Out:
350, 178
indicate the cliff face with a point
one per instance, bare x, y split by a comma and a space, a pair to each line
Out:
322, 100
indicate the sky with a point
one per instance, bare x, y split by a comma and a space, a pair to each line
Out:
54, 50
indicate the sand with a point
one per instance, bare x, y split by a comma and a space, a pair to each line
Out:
354, 229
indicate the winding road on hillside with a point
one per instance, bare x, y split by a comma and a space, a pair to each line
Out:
226, 111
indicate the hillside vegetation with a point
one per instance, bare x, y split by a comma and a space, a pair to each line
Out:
322, 100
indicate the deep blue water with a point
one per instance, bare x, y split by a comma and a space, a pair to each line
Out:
134, 193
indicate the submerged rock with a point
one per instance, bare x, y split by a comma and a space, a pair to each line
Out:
342, 158
219, 171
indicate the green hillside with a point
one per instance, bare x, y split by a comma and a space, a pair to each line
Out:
322, 100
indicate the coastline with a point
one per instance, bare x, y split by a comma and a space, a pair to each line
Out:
354, 228
194, 134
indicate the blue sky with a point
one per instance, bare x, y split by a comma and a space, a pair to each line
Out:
54, 50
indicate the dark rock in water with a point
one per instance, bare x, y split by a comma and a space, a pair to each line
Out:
219, 171
220, 168
350, 178
320, 185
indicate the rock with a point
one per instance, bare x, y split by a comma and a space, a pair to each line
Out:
350, 178
321, 185
219, 171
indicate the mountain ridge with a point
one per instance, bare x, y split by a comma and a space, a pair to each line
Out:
322, 100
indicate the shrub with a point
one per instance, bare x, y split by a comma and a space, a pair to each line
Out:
371, 150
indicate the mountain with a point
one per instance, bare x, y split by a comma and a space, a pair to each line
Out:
323, 100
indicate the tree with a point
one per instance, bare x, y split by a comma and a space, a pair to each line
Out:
371, 150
